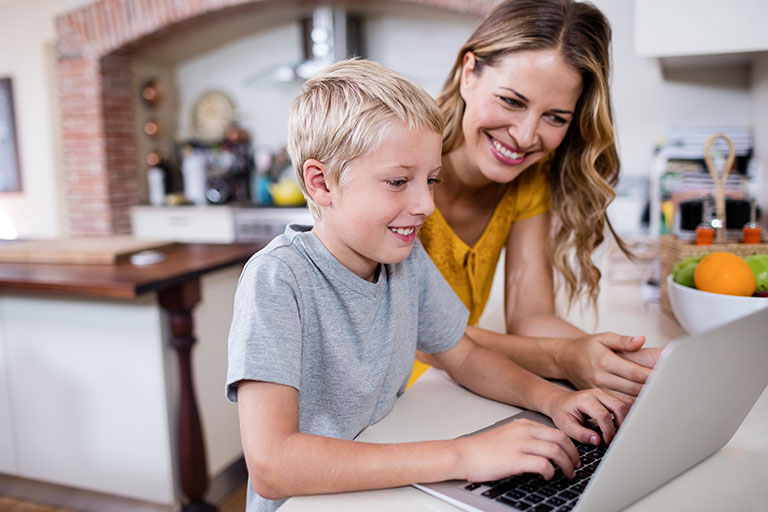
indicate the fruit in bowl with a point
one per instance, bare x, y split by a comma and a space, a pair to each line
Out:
759, 265
698, 311
725, 273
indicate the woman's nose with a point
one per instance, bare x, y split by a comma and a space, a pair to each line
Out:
525, 131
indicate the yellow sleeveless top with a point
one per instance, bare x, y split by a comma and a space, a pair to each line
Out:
470, 270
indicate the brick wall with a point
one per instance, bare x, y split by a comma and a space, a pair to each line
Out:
96, 44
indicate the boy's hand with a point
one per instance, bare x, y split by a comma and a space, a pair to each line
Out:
521, 446
570, 408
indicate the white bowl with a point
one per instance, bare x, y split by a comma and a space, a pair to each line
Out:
698, 311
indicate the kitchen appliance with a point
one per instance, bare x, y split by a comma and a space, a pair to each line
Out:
260, 225
328, 35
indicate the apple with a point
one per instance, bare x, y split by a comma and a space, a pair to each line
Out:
682, 272
759, 265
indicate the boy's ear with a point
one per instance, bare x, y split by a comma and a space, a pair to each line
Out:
315, 173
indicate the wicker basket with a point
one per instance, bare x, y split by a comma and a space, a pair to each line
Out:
672, 250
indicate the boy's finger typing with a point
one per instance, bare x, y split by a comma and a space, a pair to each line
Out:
606, 409
521, 446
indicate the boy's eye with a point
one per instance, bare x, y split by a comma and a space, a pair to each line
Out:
399, 182
433, 181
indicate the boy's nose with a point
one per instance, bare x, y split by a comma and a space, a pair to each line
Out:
423, 201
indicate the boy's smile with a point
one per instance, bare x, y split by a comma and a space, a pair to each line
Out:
375, 215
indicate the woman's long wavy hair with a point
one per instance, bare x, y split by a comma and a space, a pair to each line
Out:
585, 167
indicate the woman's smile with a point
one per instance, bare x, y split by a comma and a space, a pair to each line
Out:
505, 154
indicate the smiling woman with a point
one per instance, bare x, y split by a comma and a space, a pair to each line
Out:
529, 165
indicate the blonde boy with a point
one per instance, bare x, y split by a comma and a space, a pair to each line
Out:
327, 320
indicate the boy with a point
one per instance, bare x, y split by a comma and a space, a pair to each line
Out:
327, 321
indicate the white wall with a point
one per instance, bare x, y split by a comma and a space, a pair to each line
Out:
394, 37
26, 56
644, 102
760, 112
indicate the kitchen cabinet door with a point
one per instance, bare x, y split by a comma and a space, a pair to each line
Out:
7, 453
699, 27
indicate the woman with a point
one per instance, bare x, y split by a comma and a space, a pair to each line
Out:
529, 163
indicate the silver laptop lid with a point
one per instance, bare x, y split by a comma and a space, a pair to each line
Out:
694, 401
697, 396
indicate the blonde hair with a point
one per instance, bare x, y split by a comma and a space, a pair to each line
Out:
344, 112
585, 167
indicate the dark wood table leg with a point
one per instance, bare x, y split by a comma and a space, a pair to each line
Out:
179, 301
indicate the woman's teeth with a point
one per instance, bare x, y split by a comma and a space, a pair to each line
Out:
403, 231
505, 152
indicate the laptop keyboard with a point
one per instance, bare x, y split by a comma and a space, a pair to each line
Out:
532, 493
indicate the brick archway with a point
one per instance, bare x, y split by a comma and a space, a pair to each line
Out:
96, 45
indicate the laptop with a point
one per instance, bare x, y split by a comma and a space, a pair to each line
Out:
670, 428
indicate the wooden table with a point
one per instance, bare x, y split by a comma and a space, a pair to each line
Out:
176, 280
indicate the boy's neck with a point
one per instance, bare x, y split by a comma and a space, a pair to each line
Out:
368, 272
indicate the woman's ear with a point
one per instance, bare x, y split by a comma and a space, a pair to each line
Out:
467, 71
315, 179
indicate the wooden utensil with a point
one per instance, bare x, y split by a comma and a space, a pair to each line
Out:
719, 180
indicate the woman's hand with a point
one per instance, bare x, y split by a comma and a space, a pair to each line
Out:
609, 361
521, 446
569, 409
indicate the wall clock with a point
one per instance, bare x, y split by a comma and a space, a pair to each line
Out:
212, 114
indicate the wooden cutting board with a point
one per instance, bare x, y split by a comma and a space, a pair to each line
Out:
95, 251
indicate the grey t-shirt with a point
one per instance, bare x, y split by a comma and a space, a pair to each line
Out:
304, 320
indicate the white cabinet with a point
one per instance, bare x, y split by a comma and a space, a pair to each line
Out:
7, 451
665, 28
215, 224
212, 224
89, 390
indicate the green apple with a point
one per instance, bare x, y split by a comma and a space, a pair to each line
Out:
682, 272
759, 265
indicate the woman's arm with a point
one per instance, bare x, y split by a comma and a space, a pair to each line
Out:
490, 374
284, 462
584, 360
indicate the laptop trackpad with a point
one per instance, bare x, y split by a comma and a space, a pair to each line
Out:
528, 415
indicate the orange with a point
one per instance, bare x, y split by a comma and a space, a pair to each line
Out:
723, 272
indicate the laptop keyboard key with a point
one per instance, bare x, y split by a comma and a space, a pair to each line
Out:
520, 505
515, 494
534, 498
556, 501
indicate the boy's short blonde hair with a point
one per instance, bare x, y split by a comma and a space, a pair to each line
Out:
343, 113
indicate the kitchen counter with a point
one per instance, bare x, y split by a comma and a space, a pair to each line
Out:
101, 392
124, 280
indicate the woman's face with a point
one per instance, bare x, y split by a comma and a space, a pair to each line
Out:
517, 111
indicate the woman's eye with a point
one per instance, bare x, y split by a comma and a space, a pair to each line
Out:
560, 121
433, 181
397, 183
512, 102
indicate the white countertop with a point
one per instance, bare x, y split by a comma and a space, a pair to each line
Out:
436, 408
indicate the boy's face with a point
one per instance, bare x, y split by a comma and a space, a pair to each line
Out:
388, 195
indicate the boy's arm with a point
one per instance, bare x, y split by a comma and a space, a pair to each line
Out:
284, 462
494, 376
